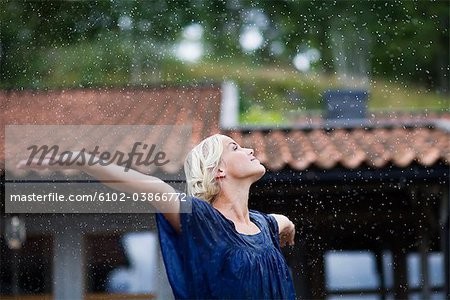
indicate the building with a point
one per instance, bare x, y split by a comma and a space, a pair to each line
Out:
378, 186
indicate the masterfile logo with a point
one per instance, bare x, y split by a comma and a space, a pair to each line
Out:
45, 166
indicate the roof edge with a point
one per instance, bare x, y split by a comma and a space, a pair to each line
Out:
353, 124
199, 85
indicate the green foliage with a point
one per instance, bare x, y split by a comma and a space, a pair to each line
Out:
103, 63
59, 44
260, 116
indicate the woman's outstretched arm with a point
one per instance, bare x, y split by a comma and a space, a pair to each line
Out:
286, 230
129, 181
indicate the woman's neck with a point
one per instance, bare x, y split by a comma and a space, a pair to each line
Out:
233, 204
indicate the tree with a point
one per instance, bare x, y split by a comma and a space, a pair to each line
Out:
409, 40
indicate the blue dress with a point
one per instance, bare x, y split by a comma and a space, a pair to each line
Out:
209, 259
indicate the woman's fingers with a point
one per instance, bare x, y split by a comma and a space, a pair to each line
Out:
39, 164
288, 236
293, 236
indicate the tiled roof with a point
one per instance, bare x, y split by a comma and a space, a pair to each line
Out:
195, 106
394, 138
350, 148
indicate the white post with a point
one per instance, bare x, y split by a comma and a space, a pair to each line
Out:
229, 110
68, 266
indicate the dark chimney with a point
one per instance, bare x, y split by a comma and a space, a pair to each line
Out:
345, 107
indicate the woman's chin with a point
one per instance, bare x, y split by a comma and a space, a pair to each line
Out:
262, 171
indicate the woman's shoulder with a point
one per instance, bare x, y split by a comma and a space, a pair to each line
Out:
267, 220
200, 204
197, 208
259, 214
190, 203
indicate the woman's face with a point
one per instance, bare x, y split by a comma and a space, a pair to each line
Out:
238, 162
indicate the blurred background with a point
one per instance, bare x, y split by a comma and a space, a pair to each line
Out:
282, 54
281, 58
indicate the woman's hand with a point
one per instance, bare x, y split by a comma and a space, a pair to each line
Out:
286, 230
46, 163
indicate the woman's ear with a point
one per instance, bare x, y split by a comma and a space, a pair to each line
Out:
220, 174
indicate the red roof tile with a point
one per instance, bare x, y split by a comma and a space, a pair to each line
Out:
351, 148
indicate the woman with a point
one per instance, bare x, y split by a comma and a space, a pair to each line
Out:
222, 249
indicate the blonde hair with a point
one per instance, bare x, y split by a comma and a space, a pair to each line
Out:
201, 166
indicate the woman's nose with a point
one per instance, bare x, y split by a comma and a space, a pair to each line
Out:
251, 151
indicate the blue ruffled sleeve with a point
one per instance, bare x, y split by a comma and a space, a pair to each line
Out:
184, 254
